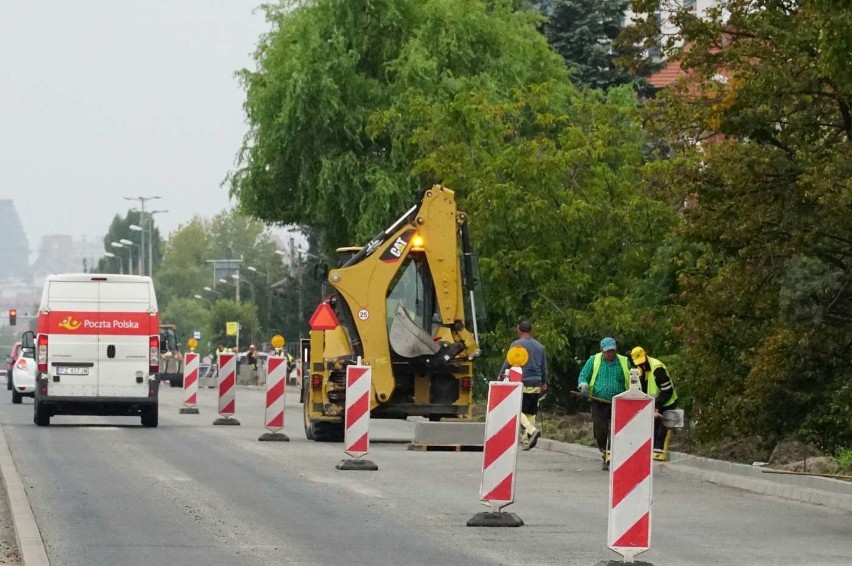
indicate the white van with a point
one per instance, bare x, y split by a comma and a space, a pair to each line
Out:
97, 347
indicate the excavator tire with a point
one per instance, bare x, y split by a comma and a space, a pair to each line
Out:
327, 432
309, 430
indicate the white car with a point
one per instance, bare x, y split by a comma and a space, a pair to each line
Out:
24, 376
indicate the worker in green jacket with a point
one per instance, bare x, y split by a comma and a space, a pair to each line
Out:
604, 376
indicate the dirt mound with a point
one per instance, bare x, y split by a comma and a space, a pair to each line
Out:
789, 451
818, 465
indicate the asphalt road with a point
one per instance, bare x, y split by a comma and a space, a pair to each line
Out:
106, 491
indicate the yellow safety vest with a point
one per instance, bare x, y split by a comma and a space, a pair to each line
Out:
653, 390
596, 365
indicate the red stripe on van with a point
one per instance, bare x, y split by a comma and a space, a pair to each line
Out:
88, 323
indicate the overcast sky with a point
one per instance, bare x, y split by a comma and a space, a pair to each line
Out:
102, 99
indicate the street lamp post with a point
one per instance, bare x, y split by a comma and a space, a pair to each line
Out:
200, 298
129, 256
237, 286
113, 256
142, 201
236, 276
135, 228
127, 242
212, 290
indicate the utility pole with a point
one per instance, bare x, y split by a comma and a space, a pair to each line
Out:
142, 201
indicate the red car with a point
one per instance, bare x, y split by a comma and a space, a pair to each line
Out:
10, 363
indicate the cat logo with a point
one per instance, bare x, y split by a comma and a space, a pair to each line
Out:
398, 247
396, 250
69, 323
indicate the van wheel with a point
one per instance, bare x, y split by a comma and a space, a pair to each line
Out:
40, 415
16, 397
150, 417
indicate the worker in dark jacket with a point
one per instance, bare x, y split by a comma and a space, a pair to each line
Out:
657, 383
534, 382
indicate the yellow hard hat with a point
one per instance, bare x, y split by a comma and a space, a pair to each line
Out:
638, 356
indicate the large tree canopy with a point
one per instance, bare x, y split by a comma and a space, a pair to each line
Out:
765, 128
357, 106
328, 68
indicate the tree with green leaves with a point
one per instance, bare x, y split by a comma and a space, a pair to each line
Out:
327, 69
584, 33
119, 229
357, 106
188, 268
762, 123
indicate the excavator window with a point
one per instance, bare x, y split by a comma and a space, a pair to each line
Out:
407, 290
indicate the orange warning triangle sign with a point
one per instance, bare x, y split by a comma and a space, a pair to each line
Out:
324, 318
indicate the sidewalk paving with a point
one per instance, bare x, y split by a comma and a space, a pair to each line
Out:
828, 492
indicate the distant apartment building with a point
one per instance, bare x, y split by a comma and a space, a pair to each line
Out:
60, 253
14, 253
20, 282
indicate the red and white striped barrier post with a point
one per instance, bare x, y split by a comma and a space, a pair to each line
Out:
500, 454
276, 375
356, 439
227, 389
190, 384
630, 485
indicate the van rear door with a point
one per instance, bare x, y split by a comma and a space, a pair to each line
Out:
72, 322
129, 315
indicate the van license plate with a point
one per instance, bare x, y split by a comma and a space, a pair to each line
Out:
62, 370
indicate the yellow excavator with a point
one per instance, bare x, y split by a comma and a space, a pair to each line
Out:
404, 304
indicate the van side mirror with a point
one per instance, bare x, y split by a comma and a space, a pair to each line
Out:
28, 340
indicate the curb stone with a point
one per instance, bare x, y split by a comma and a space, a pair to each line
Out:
27, 535
828, 492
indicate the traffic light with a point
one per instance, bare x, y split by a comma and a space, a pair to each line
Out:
13, 317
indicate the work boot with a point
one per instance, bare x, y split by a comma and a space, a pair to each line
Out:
525, 443
605, 466
534, 438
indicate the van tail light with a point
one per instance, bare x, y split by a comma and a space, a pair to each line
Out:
41, 356
154, 354
316, 381
465, 384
